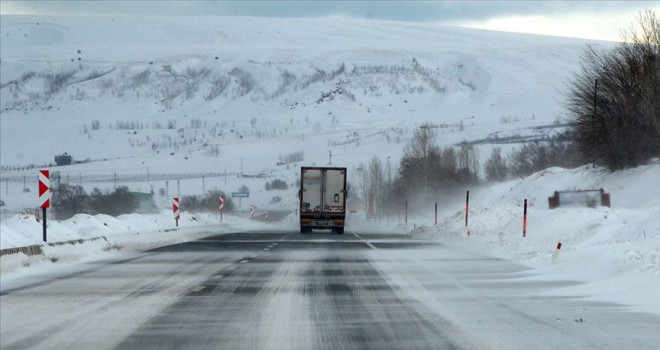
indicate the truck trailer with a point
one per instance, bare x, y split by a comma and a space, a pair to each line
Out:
322, 199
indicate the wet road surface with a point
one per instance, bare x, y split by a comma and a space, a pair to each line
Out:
284, 290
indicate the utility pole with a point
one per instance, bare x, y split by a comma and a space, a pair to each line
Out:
426, 156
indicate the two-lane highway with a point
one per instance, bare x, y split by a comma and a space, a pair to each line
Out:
284, 290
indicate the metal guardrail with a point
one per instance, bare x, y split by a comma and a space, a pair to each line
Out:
37, 249
74, 177
29, 250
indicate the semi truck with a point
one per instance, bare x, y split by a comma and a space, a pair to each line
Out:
322, 199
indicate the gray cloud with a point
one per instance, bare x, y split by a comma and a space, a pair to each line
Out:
414, 11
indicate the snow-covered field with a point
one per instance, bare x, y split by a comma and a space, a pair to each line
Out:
156, 100
616, 250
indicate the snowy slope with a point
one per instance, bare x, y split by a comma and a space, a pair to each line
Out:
211, 95
60, 73
615, 250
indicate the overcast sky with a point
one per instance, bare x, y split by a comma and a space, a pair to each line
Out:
584, 19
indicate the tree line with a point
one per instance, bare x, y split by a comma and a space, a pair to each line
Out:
614, 101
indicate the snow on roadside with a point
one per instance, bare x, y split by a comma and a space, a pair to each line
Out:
103, 234
615, 251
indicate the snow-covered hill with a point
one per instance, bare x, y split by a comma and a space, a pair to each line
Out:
80, 84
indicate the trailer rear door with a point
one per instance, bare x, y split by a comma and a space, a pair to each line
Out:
312, 184
333, 198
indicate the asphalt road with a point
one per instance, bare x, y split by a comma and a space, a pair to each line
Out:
284, 290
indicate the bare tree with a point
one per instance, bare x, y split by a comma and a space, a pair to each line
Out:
377, 181
614, 102
68, 200
496, 165
423, 142
468, 161
362, 184
418, 153
536, 156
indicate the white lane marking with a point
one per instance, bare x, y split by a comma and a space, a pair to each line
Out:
243, 261
266, 249
366, 242
282, 239
197, 289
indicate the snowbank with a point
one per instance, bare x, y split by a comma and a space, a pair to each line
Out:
87, 236
616, 250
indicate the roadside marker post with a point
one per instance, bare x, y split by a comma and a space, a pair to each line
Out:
467, 211
175, 209
44, 196
221, 206
435, 221
405, 214
555, 254
467, 206
525, 219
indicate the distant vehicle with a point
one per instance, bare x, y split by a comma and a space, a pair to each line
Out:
322, 199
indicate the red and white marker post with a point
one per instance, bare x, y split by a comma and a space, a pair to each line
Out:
525, 219
175, 209
221, 206
251, 210
44, 195
467, 211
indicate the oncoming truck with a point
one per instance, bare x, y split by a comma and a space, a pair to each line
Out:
322, 199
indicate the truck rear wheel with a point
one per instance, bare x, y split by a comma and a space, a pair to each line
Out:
338, 230
304, 230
